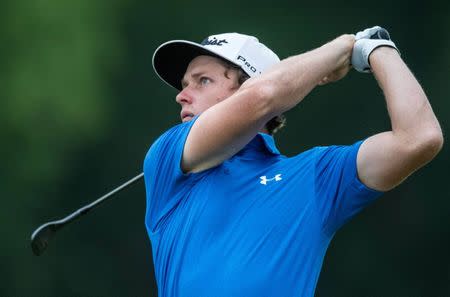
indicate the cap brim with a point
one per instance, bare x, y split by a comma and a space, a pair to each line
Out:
172, 58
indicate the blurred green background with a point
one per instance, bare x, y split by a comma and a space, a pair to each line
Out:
80, 106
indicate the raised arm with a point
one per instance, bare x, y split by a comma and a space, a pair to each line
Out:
386, 159
225, 128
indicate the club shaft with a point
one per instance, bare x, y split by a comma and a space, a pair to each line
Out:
83, 210
106, 196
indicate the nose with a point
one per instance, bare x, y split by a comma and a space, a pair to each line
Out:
184, 97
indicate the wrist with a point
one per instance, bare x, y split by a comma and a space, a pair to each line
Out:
343, 47
381, 54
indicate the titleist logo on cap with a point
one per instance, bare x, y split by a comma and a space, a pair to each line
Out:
214, 41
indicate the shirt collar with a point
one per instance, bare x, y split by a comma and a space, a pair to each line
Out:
269, 143
262, 142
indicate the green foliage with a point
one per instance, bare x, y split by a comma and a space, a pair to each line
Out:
54, 94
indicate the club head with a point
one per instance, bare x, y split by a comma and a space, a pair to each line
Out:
42, 235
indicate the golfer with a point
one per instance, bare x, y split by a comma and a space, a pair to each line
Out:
227, 214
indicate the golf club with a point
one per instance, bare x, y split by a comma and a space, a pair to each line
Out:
41, 236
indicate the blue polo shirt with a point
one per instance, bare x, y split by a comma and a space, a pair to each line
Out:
256, 225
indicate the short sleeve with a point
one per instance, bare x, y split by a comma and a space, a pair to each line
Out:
165, 182
339, 193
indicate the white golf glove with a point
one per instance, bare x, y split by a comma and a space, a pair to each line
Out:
366, 42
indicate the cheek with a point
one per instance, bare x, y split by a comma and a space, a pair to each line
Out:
216, 95
224, 94
221, 98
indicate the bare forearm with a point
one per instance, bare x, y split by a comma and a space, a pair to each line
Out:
410, 112
226, 127
292, 79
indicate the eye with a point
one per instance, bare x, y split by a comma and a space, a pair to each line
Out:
205, 80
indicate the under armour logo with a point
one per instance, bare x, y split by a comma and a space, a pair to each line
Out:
264, 179
214, 41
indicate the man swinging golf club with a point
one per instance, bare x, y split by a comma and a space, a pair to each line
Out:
229, 215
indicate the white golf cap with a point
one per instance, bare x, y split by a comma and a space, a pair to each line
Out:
172, 58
